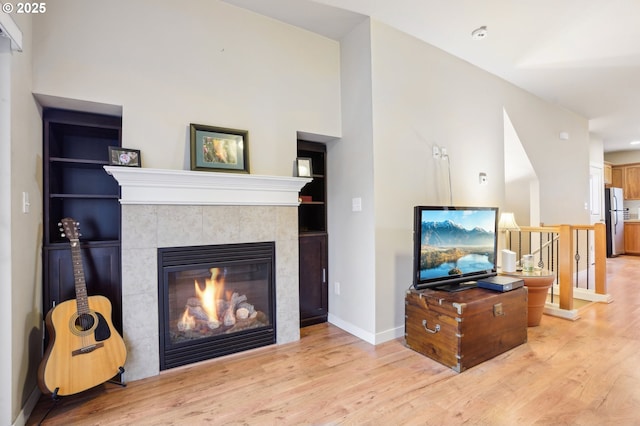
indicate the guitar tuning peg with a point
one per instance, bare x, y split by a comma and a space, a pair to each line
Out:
62, 234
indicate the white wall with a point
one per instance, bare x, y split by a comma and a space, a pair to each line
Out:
562, 166
351, 175
6, 415
207, 62
623, 157
423, 97
21, 267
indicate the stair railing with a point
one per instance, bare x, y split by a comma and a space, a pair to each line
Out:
576, 254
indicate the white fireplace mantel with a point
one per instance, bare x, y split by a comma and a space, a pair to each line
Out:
164, 186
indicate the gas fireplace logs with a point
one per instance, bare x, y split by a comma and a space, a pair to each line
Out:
208, 310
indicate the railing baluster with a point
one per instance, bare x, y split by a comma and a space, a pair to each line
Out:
577, 256
540, 262
550, 252
588, 257
520, 250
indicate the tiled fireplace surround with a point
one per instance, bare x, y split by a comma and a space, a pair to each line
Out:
172, 208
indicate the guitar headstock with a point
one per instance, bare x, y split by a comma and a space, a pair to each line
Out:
69, 228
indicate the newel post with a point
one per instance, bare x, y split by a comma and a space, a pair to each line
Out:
600, 244
565, 262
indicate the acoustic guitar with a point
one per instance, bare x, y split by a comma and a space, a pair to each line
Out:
84, 348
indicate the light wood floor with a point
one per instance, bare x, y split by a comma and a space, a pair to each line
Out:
585, 372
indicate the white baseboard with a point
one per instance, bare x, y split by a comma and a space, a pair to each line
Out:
554, 310
584, 294
27, 408
374, 339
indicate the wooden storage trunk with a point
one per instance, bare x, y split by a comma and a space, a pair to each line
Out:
465, 328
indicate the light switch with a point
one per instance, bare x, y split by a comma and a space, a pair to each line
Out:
356, 204
25, 202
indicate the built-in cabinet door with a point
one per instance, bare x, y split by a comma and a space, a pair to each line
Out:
632, 238
313, 279
101, 267
617, 177
632, 182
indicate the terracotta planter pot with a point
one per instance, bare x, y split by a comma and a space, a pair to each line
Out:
538, 289
538, 283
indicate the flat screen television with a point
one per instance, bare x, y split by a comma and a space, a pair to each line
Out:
454, 246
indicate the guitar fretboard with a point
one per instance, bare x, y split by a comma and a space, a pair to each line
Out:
78, 276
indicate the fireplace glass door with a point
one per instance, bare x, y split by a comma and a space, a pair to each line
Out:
215, 300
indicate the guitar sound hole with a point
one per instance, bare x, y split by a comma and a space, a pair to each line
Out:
84, 322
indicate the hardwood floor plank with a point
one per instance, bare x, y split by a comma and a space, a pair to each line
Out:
582, 372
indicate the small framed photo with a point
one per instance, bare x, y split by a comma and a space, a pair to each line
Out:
125, 157
303, 166
219, 149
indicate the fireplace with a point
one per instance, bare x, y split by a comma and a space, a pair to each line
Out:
215, 300
180, 208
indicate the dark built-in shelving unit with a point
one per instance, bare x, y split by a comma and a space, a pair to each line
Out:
75, 149
313, 238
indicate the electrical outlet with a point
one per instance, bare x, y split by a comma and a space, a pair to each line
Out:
436, 152
482, 178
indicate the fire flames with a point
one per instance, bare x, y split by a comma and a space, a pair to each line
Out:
213, 307
212, 291
206, 307
186, 322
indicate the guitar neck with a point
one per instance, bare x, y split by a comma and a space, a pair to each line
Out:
82, 300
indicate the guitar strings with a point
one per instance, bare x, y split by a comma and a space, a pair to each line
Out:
83, 318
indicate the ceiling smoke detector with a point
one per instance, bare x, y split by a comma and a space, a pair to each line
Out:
479, 33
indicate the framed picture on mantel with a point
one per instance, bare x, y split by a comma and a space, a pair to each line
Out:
124, 157
219, 149
303, 166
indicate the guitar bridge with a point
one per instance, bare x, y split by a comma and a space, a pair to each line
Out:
87, 349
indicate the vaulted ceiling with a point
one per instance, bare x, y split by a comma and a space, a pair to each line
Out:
581, 54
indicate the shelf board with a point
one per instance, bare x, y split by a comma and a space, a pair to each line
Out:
319, 203
311, 232
64, 244
77, 161
92, 196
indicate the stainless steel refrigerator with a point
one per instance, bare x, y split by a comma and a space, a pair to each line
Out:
614, 219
